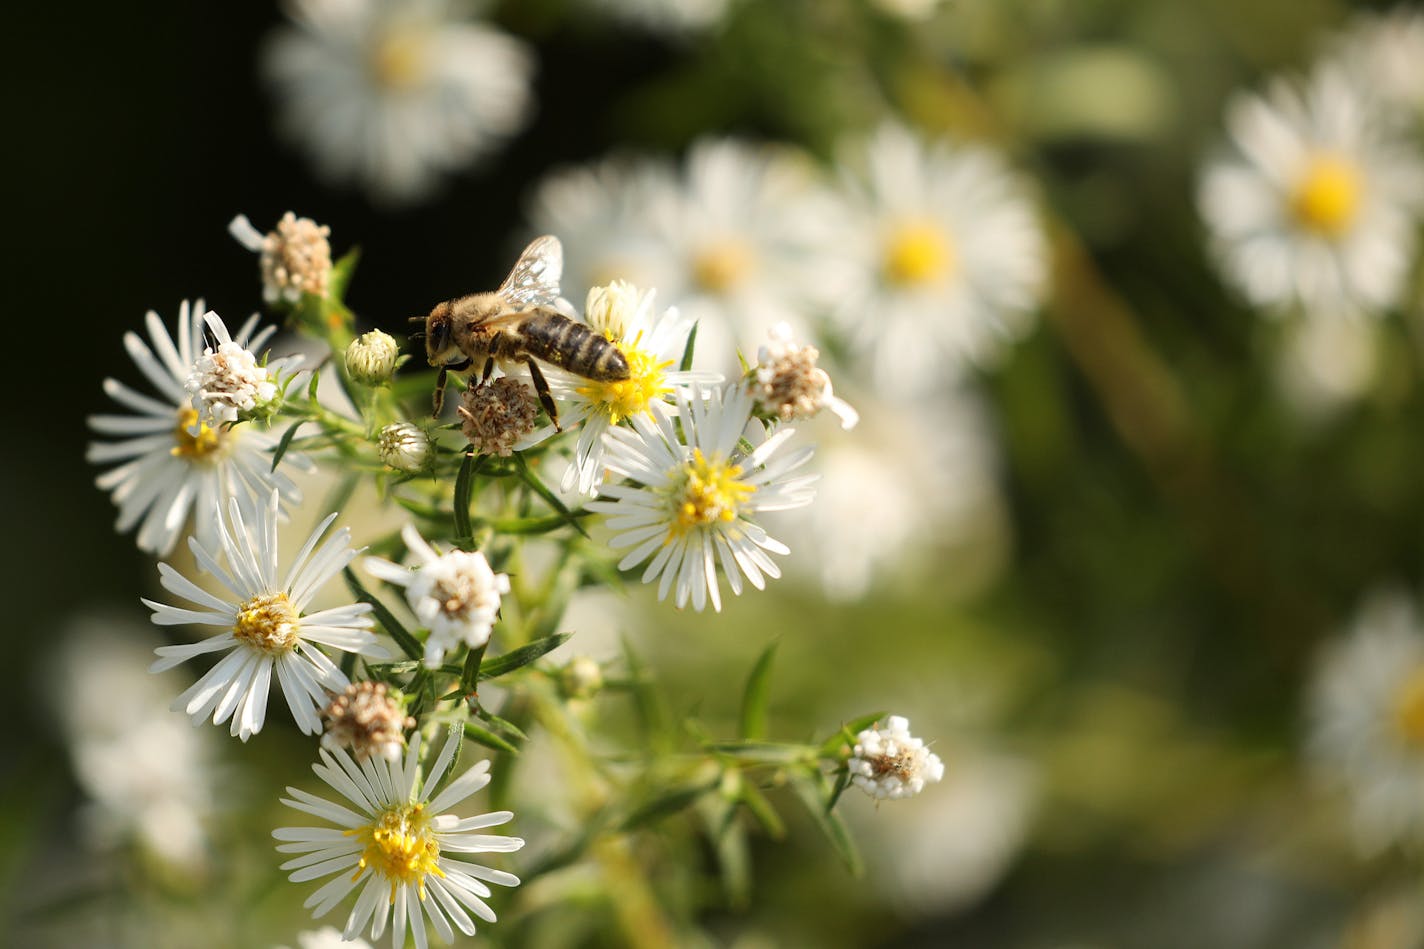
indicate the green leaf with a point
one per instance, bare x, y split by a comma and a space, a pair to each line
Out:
550, 498
733, 858
464, 481
668, 803
842, 782
501, 665
846, 736
648, 704
470, 674
534, 525
501, 724
813, 793
488, 738
762, 752
341, 273
762, 810
408, 643
687, 350
756, 695
285, 443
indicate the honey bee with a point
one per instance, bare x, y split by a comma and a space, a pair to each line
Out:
519, 322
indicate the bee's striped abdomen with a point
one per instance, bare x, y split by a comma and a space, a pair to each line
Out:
558, 340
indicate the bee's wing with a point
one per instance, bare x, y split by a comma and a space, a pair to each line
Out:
534, 281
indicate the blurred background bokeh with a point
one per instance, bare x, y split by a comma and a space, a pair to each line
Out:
1145, 568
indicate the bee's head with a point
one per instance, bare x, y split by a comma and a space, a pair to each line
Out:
439, 349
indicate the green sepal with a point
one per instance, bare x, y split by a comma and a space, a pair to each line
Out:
832, 746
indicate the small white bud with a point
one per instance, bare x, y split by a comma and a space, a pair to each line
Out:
403, 446
371, 358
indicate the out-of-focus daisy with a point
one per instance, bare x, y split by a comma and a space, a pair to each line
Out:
264, 628
328, 937
295, 256
665, 16
455, 595
393, 842
889, 762
168, 463
787, 383
1311, 205
1383, 53
147, 774
695, 493
908, 9
945, 259
1323, 364
653, 342
1367, 720
395, 93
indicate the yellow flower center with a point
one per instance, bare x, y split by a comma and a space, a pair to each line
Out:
706, 491
918, 253
1327, 197
194, 447
646, 381
401, 847
398, 60
1409, 709
721, 265
268, 622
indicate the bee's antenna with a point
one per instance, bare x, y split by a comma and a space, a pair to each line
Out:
416, 319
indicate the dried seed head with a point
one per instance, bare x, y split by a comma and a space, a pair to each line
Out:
365, 719
496, 415
787, 383
296, 256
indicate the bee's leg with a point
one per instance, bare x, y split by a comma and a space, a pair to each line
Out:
541, 387
487, 371
440, 381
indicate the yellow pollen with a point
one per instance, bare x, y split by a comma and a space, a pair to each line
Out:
645, 382
190, 446
1327, 197
398, 59
918, 253
706, 491
401, 847
721, 265
1409, 709
268, 622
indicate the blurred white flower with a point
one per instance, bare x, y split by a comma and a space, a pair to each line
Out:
944, 258
889, 762
396, 843
695, 492
170, 463
1383, 53
455, 595
1323, 364
674, 17
148, 776
1366, 718
328, 937
1311, 205
734, 240
908, 9
264, 629
394, 94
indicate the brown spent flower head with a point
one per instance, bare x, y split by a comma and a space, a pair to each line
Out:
495, 415
295, 256
787, 383
366, 720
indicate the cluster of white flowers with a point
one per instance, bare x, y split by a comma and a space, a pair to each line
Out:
889, 762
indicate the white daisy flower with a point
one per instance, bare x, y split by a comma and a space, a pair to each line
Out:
944, 260
891, 763
1367, 720
394, 843
695, 493
653, 343
455, 595
264, 627
227, 380
168, 463
1311, 205
394, 94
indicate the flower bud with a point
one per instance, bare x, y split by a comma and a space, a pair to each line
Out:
581, 678
403, 446
610, 309
371, 358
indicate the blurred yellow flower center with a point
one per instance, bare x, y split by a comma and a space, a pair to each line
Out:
398, 60
626, 397
706, 491
190, 446
918, 253
1327, 197
267, 622
1409, 709
721, 265
401, 847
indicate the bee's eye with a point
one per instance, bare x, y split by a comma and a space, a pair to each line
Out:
439, 337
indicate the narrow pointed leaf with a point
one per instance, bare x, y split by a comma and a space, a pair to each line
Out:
501, 665
814, 794
756, 695
407, 643
489, 739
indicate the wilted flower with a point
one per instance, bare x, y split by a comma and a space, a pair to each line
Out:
366, 719
788, 384
496, 415
296, 256
891, 763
